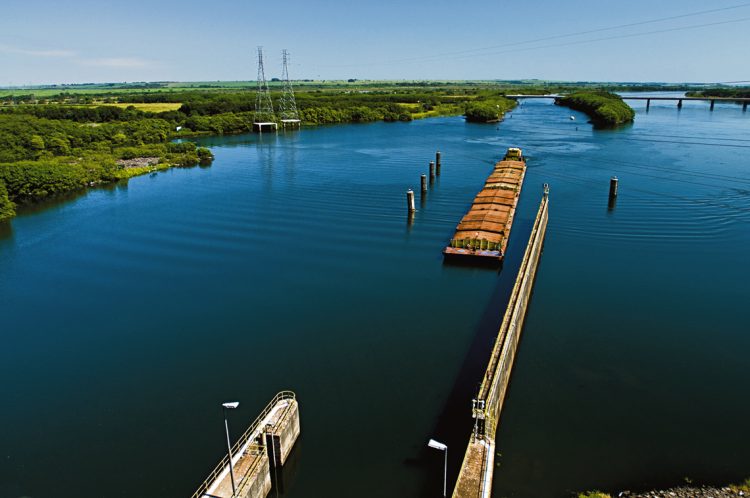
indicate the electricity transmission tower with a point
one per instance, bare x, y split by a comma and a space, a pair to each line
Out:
288, 105
264, 115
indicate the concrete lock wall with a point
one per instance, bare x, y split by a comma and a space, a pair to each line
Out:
518, 315
259, 484
281, 438
289, 432
475, 476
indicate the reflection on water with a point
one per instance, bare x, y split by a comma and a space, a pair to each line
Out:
6, 230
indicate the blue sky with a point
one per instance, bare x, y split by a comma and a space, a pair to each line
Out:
45, 41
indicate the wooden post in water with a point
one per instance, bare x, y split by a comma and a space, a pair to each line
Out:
424, 183
712, 104
437, 163
410, 200
613, 187
744, 106
648, 104
432, 171
679, 104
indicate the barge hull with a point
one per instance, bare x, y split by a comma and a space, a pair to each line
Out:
483, 233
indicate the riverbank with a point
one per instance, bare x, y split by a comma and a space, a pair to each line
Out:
679, 492
25, 182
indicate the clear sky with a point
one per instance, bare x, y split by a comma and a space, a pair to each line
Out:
46, 41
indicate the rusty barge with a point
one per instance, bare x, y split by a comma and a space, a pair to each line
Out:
483, 232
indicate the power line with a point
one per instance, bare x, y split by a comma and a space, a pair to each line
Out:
616, 37
472, 51
579, 33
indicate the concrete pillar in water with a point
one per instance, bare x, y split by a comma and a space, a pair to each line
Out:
432, 171
437, 163
679, 104
613, 187
410, 200
424, 183
712, 104
612, 193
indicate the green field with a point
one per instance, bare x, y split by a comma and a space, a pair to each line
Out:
150, 107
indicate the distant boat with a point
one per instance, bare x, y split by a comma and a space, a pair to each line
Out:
572, 118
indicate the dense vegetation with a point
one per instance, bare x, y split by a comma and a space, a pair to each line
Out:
739, 92
51, 149
488, 111
604, 108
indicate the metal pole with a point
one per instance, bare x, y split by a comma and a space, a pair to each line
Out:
445, 471
229, 448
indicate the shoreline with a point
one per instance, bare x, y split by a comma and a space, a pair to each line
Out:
688, 491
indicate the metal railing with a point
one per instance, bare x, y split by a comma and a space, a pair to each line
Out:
251, 431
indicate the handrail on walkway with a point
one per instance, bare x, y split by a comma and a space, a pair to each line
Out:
251, 430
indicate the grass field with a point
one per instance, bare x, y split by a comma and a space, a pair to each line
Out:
155, 107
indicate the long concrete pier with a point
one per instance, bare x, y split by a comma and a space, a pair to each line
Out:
475, 477
265, 445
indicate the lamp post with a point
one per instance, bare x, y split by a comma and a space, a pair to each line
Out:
230, 406
442, 447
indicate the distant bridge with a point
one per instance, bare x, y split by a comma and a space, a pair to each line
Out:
740, 100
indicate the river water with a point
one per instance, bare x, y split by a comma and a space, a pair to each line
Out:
129, 313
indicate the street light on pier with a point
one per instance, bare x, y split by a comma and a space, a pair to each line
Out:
230, 406
442, 447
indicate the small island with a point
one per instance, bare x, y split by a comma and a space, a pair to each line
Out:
605, 109
488, 111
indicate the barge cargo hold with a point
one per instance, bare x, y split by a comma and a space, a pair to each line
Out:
483, 232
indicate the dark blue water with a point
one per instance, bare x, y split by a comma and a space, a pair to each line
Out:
130, 313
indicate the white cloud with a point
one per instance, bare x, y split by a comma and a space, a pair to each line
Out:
126, 62
8, 49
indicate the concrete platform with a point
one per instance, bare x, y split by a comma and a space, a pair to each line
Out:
251, 461
260, 127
